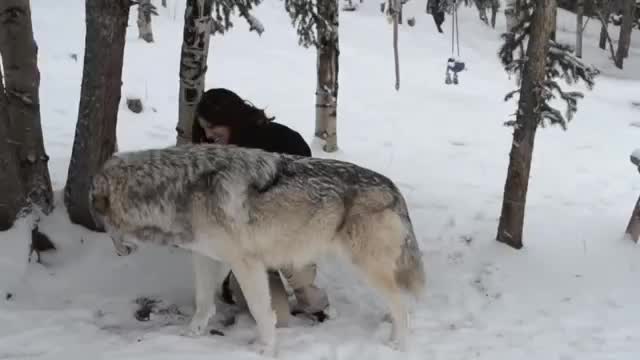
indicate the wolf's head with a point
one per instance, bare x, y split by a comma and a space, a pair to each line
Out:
100, 208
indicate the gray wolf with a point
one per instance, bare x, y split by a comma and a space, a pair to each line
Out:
255, 210
223, 117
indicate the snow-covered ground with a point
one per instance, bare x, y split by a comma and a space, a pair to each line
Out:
569, 294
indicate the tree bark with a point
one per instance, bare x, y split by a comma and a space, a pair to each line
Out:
633, 226
19, 53
555, 24
495, 6
12, 195
511, 15
579, 27
95, 138
515, 191
145, 32
624, 41
327, 80
397, 8
604, 12
193, 63
604, 31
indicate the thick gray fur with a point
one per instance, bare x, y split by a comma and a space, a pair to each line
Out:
255, 210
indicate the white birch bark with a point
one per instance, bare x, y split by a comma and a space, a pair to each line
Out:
193, 64
327, 80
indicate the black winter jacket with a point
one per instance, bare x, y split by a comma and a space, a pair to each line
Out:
272, 137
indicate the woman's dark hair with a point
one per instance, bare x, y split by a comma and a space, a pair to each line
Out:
221, 106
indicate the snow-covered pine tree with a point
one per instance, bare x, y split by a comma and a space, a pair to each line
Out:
223, 9
316, 22
544, 64
203, 18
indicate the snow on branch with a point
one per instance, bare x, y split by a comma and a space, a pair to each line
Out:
308, 23
561, 63
223, 9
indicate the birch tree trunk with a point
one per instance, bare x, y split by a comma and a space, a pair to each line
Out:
95, 138
19, 53
515, 191
579, 27
327, 80
145, 32
12, 195
624, 41
193, 63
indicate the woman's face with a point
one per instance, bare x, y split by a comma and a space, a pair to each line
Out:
218, 134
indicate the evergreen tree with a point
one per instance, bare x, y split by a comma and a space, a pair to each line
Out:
544, 64
316, 22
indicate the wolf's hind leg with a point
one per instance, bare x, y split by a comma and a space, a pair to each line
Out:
252, 277
382, 278
208, 273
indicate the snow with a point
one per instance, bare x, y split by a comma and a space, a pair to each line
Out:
569, 294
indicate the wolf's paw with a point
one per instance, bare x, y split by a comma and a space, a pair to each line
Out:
195, 329
125, 248
259, 347
397, 345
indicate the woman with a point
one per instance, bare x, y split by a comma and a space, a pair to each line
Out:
222, 117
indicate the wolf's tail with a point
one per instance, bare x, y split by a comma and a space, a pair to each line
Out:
410, 272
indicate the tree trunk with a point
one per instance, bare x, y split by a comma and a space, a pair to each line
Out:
605, 11
145, 31
482, 11
516, 186
327, 81
396, 14
19, 53
511, 15
193, 63
495, 6
12, 195
579, 27
95, 138
633, 226
604, 31
624, 41
554, 24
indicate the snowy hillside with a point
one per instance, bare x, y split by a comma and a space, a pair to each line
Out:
570, 293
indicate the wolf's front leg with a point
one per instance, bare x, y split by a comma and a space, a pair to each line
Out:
252, 277
208, 273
